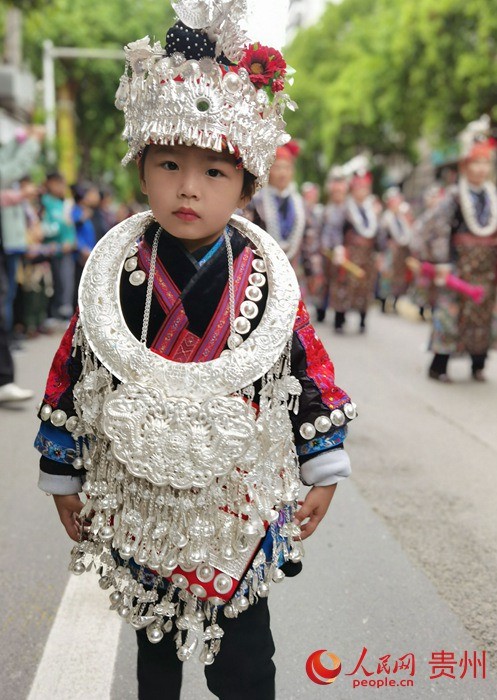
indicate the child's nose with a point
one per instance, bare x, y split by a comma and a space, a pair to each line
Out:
188, 185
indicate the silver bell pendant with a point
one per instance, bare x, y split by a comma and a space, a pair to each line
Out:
154, 633
206, 656
78, 568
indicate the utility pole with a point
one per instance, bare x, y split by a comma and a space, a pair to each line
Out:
12, 54
50, 53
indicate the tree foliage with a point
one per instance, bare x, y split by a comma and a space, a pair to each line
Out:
83, 24
375, 74
380, 74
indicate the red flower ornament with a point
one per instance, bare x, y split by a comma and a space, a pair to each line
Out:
265, 65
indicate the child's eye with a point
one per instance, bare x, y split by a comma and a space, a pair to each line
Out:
214, 172
169, 165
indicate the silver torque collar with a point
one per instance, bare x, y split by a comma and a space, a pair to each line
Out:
130, 360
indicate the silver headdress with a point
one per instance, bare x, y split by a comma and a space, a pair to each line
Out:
475, 133
229, 95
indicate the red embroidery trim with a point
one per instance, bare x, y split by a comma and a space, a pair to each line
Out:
59, 379
319, 366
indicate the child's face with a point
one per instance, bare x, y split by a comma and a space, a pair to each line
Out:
477, 170
56, 187
281, 174
360, 192
192, 191
91, 198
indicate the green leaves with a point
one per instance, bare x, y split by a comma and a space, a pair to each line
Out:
93, 82
380, 74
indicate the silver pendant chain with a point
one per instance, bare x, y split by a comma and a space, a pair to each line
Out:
231, 282
150, 286
151, 277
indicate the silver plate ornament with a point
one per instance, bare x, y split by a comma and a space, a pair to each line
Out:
180, 469
151, 435
129, 360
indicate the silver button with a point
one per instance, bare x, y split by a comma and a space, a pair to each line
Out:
249, 309
137, 277
131, 264
242, 325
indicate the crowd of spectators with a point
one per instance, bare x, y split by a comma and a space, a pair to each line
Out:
47, 233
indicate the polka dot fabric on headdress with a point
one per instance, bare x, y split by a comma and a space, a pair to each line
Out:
192, 43
189, 91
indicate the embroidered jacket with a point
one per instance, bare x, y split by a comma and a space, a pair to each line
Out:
189, 322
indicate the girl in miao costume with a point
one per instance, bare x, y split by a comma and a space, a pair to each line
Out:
460, 237
357, 244
393, 240
190, 391
279, 207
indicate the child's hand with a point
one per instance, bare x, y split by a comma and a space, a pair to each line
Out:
314, 507
68, 508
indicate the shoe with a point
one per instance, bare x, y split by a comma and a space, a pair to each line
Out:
339, 330
320, 315
45, 330
10, 393
478, 375
440, 377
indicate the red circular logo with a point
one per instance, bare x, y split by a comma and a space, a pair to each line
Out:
317, 672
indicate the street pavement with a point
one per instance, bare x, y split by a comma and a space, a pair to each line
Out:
404, 565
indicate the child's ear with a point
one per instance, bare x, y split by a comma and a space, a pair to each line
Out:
244, 200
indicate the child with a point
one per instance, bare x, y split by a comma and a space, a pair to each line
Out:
86, 197
172, 387
61, 233
459, 236
279, 208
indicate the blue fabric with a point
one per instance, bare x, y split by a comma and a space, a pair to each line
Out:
55, 443
274, 537
85, 231
321, 444
212, 251
286, 215
482, 206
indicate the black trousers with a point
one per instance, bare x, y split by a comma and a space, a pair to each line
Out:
6, 363
440, 362
242, 670
340, 319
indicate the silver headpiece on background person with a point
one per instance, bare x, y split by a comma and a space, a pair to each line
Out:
229, 95
336, 172
476, 132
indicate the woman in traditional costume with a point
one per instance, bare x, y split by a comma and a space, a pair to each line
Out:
460, 238
352, 287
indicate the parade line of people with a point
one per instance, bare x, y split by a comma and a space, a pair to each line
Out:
357, 249
352, 251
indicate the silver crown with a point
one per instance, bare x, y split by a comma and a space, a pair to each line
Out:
172, 100
220, 19
475, 132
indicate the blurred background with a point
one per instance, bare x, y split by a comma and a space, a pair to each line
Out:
398, 77
407, 561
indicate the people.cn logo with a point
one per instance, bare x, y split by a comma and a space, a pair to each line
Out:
317, 672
